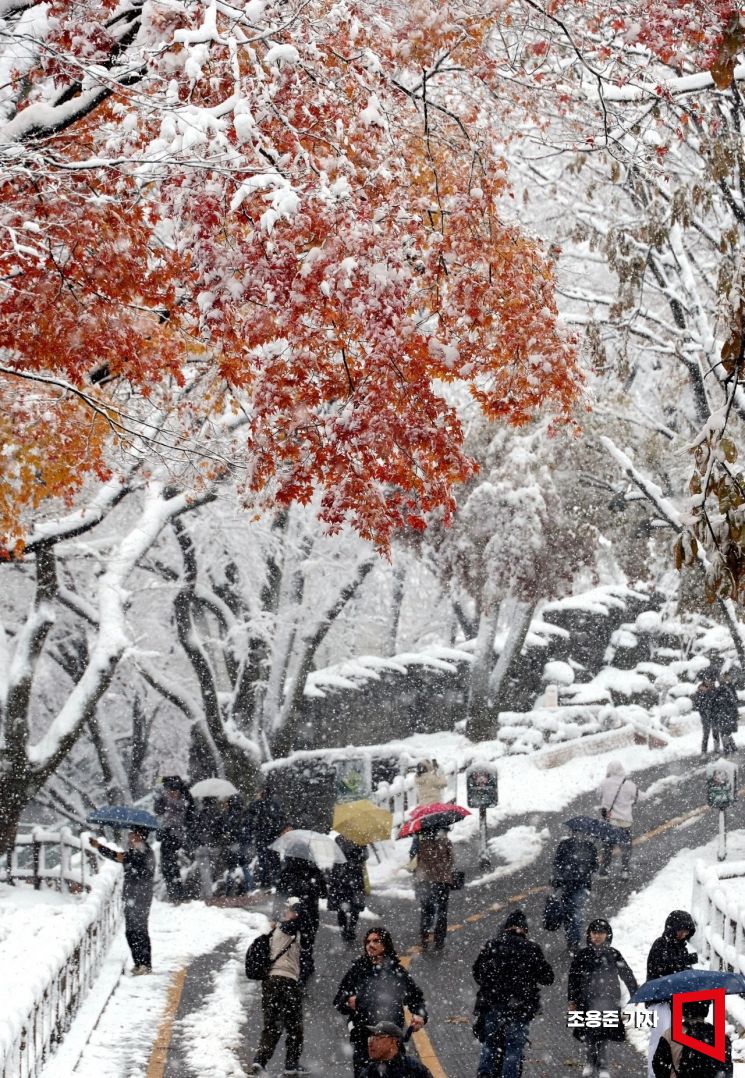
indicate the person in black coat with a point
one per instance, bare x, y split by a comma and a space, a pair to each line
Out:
687, 1062
668, 954
174, 807
575, 862
346, 886
376, 988
266, 822
388, 1058
726, 713
137, 894
509, 970
703, 701
594, 985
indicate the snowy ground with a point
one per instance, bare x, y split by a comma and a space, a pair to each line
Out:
181, 933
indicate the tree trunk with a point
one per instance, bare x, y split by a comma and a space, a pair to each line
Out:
478, 725
14, 796
521, 615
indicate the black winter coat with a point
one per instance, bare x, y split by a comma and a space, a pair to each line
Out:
382, 993
508, 971
265, 821
694, 1064
304, 880
139, 873
590, 965
725, 708
575, 861
347, 880
402, 1066
670, 955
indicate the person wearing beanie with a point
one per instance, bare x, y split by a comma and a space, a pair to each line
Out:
509, 970
595, 977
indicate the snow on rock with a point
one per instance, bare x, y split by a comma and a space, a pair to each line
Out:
560, 673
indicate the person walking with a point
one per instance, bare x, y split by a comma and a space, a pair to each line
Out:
429, 782
674, 1060
346, 887
266, 822
668, 954
281, 994
725, 711
174, 807
595, 977
575, 862
388, 1058
703, 701
376, 988
137, 894
434, 878
509, 970
618, 795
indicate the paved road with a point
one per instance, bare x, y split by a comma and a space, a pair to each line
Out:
446, 978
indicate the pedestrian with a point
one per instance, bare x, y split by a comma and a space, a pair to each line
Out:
434, 878
388, 1058
726, 712
281, 994
618, 795
703, 701
266, 822
668, 954
575, 861
429, 782
174, 807
509, 970
674, 1060
307, 881
595, 977
207, 838
137, 894
346, 887
376, 988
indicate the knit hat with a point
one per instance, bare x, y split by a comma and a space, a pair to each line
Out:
517, 919
386, 1029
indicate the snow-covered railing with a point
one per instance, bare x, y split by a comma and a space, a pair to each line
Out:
71, 853
400, 795
720, 925
28, 1038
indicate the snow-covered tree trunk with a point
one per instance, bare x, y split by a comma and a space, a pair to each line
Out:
479, 721
520, 617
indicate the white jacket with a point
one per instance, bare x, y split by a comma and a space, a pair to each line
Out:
621, 793
429, 787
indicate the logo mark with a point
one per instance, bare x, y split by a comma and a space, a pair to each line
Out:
715, 995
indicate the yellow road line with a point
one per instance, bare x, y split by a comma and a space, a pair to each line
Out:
159, 1054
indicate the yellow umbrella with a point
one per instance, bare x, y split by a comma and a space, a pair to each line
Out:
362, 822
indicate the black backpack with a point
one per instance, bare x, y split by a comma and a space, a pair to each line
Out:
258, 957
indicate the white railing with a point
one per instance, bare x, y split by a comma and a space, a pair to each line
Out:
74, 861
28, 1039
400, 796
720, 925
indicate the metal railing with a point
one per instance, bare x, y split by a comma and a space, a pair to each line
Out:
71, 865
29, 1039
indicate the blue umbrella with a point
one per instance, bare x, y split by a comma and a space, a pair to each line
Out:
592, 825
122, 816
689, 980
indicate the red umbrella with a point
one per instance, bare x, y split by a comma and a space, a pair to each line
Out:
438, 806
432, 817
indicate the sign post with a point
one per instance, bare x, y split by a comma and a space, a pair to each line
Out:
482, 793
721, 792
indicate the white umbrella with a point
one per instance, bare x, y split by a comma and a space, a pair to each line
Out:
309, 846
213, 788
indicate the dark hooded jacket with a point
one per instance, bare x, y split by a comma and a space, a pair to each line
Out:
509, 970
668, 954
594, 982
382, 992
575, 861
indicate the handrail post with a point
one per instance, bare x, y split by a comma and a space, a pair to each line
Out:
36, 854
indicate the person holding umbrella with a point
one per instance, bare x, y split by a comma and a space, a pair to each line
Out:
376, 988
434, 876
595, 976
668, 954
139, 872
